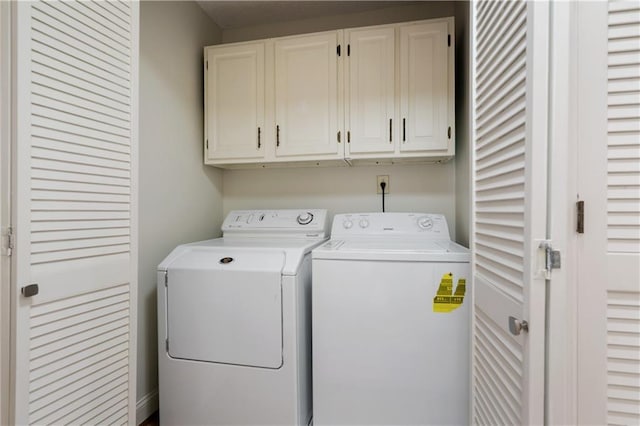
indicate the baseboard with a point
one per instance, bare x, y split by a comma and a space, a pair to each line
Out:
146, 406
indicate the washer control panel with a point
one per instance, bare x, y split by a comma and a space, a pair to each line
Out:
286, 222
398, 224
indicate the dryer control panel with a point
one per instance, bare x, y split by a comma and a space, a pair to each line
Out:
279, 223
421, 225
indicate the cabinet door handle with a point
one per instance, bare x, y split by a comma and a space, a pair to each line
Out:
259, 144
277, 135
390, 130
404, 138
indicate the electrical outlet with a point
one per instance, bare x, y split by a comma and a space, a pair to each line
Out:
385, 179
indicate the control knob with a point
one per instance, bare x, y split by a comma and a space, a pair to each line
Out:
363, 223
425, 222
347, 224
305, 218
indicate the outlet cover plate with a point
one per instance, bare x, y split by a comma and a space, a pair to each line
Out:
385, 179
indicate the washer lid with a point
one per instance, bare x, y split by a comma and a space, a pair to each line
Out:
226, 307
393, 250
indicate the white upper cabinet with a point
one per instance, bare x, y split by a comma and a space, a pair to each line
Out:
400, 92
385, 94
370, 90
306, 97
426, 87
234, 102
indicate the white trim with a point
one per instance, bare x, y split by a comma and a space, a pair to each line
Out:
591, 247
146, 406
535, 208
472, 201
134, 207
5, 207
561, 339
21, 185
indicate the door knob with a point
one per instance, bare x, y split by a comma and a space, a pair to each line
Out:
517, 326
29, 290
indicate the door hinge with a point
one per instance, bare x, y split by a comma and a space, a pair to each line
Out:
580, 217
448, 39
348, 136
348, 50
207, 143
338, 136
166, 278
10, 243
449, 132
207, 64
166, 345
552, 259
338, 50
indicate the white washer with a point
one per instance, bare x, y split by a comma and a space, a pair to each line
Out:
381, 355
234, 322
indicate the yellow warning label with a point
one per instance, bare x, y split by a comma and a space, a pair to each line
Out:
446, 299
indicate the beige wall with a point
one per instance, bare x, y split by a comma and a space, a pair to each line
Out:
435, 9
425, 188
180, 198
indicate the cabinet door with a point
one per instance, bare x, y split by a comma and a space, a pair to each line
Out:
235, 102
370, 92
424, 94
306, 96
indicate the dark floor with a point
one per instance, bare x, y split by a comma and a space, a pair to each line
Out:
152, 420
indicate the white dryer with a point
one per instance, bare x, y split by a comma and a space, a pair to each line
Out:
234, 322
390, 322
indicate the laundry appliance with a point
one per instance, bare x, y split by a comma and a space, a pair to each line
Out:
234, 322
390, 322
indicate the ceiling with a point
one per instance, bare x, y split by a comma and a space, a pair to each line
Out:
237, 14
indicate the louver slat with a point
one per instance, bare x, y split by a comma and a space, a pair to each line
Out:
623, 182
502, 385
85, 329
623, 357
623, 212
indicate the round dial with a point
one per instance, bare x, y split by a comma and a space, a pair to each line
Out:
305, 218
347, 224
363, 223
425, 222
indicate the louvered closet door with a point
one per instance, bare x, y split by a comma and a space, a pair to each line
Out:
623, 214
76, 216
510, 113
